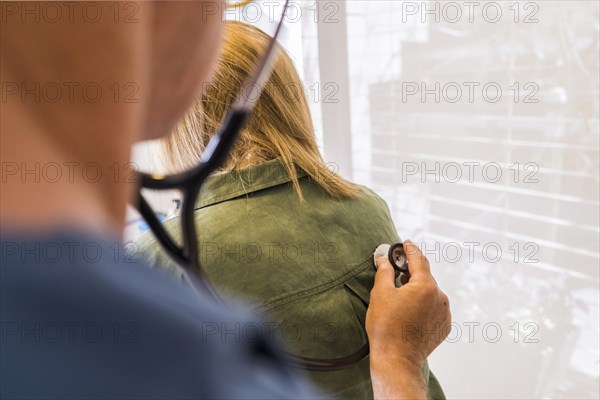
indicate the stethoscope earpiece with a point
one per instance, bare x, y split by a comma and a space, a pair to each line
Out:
395, 254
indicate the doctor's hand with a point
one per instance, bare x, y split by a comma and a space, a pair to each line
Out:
404, 326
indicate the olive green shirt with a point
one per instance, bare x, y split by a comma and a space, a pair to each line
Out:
306, 266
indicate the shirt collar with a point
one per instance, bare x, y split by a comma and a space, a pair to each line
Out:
225, 186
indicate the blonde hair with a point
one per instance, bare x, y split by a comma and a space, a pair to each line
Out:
280, 125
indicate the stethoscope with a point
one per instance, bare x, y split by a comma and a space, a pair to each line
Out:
396, 256
189, 183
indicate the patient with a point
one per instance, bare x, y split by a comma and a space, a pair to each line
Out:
276, 226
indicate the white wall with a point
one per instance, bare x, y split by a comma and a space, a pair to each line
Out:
533, 309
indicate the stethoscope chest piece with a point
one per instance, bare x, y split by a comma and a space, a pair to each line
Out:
395, 254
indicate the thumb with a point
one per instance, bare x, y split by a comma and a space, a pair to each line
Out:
385, 277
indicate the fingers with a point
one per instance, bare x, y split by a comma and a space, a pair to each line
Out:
385, 277
417, 263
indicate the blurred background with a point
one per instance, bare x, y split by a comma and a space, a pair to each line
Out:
478, 123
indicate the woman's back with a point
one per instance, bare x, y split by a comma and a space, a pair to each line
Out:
305, 264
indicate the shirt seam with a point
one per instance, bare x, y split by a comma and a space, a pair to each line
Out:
295, 296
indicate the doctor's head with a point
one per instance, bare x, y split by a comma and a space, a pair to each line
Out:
280, 125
